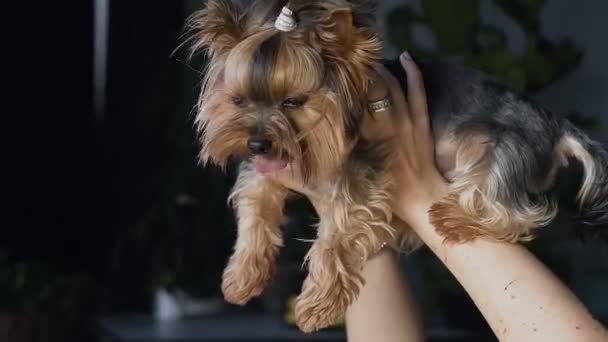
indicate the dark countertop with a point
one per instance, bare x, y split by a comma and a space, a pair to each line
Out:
241, 327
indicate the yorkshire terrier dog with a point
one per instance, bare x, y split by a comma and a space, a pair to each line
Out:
286, 89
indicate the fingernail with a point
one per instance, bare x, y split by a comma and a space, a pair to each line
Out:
405, 56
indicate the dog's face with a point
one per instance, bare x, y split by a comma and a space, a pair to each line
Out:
283, 99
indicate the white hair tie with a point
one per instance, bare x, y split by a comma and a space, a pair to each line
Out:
286, 22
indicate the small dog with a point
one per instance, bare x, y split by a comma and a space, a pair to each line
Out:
287, 89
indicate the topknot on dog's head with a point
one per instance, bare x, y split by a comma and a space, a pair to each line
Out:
338, 29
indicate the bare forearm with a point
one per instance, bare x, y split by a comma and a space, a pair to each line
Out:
519, 297
385, 309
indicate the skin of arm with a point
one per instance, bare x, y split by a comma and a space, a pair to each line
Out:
518, 296
385, 310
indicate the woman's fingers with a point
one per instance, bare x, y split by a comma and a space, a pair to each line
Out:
401, 116
416, 92
383, 124
419, 109
400, 107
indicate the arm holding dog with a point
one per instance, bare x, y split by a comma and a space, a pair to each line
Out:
385, 309
519, 297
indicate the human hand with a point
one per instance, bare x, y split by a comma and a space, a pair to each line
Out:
407, 123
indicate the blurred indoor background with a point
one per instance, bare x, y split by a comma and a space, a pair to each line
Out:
113, 232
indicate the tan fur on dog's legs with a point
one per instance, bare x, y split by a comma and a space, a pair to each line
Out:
332, 284
354, 225
334, 264
259, 204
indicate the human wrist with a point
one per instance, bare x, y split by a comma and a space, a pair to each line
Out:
414, 208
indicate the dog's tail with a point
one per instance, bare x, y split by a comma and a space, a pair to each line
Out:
593, 195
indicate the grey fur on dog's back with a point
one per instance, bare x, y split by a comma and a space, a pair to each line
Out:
465, 100
522, 137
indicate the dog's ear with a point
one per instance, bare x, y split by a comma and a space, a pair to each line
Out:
350, 50
217, 28
335, 36
333, 32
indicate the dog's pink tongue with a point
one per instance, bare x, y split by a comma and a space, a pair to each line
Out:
269, 164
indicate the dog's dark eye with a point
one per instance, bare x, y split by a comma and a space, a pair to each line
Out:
239, 101
292, 103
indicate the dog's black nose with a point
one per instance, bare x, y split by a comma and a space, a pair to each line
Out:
259, 145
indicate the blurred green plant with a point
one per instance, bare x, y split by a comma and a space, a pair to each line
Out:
459, 32
35, 287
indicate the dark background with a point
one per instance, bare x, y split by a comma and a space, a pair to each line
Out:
101, 208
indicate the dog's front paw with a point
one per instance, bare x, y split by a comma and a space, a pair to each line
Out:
316, 314
318, 308
246, 277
